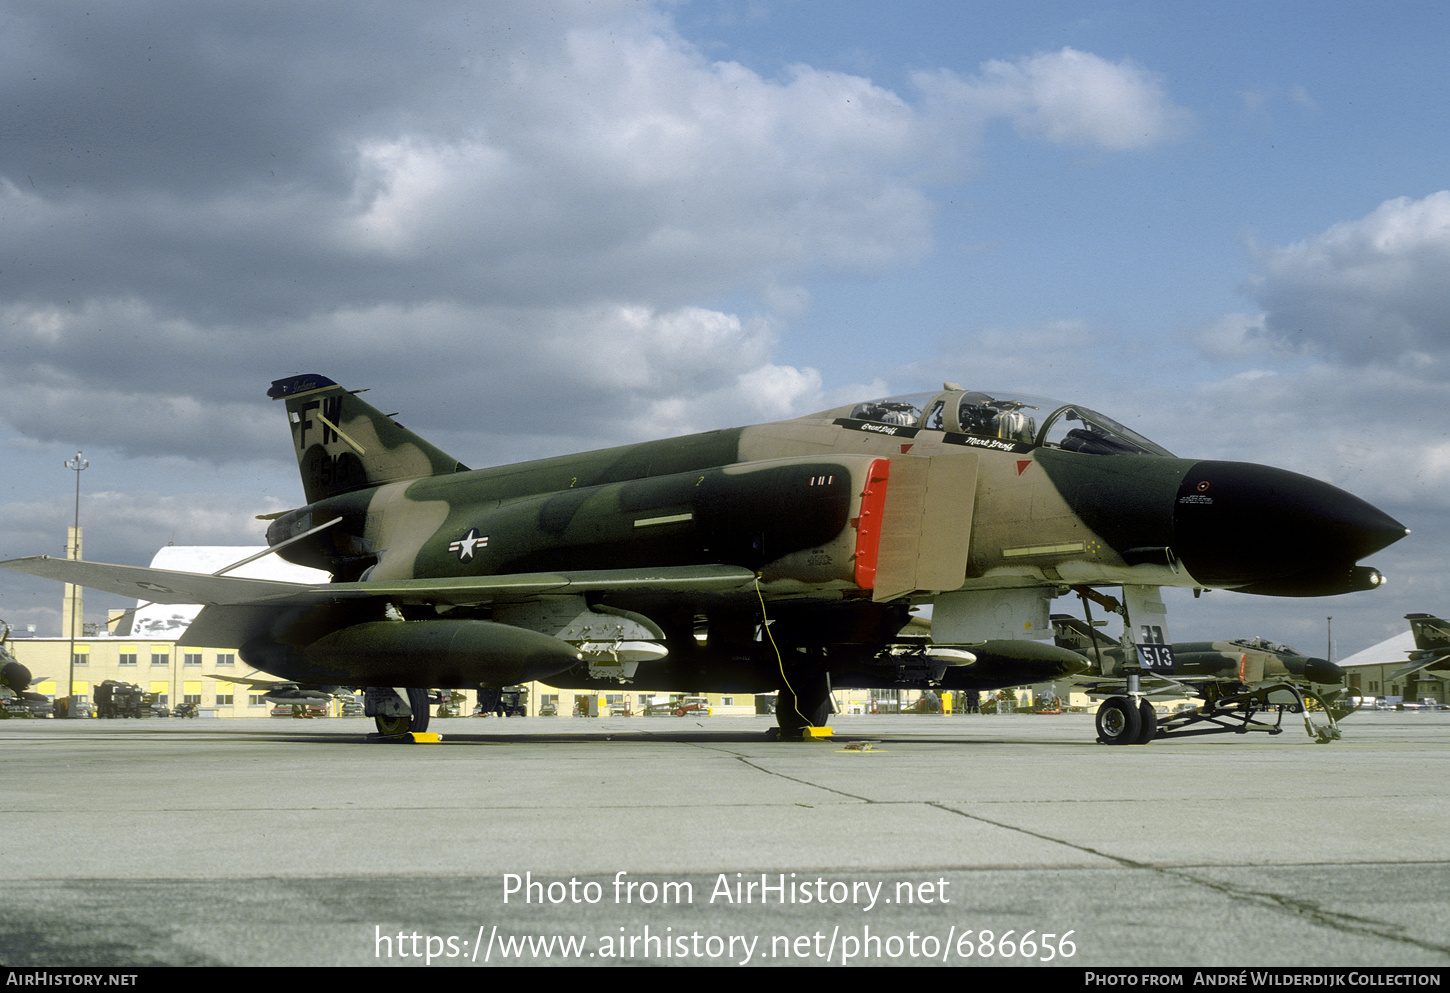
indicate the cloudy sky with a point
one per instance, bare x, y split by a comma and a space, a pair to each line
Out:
537, 227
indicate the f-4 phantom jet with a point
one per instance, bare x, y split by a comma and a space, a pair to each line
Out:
1242, 683
15, 681
786, 556
1431, 653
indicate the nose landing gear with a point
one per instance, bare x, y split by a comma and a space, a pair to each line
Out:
1121, 722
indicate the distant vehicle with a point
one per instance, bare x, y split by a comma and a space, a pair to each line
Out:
1424, 703
79, 707
693, 706
510, 701
658, 707
117, 699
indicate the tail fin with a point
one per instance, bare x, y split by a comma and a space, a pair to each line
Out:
343, 444
1431, 633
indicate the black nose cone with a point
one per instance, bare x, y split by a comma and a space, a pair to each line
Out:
1266, 530
1315, 670
15, 676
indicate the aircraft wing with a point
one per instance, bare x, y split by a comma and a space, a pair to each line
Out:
1417, 664
167, 586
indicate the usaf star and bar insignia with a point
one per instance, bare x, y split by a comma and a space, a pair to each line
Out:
468, 544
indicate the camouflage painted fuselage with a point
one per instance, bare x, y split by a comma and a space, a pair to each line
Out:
847, 519
786, 500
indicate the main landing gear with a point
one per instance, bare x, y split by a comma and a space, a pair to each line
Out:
803, 706
385, 707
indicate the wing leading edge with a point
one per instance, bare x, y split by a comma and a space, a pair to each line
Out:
167, 586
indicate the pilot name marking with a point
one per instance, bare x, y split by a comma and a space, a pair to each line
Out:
995, 444
879, 428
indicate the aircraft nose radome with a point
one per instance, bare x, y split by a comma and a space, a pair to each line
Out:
1237, 524
1323, 671
1315, 670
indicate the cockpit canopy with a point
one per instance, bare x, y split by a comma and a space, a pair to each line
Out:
1265, 645
1010, 419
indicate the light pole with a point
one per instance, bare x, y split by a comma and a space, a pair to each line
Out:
79, 465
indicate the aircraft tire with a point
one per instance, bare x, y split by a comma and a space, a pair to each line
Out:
1118, 721
811, 708
418, 702
1147, 723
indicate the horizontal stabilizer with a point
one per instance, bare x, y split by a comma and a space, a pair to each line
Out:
157, 585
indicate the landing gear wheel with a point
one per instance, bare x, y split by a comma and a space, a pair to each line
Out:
1118, 721
1147, 723
808, 706
418, 703
390, 727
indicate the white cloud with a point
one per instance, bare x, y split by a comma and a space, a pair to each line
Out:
1368, 291
1068, 98
626, 158
490, 203
1236, 337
